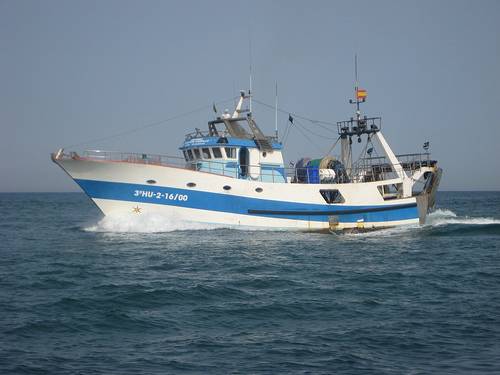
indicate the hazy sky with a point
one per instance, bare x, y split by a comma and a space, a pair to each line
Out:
71, 71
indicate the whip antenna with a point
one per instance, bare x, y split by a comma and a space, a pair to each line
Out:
276, 112
250, 71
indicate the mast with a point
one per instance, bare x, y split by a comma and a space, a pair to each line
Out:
250, 92
358, 126
356, 86
345, 140
276, 112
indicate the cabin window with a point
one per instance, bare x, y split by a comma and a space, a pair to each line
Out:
226, 187
206, 153
190, 184
332, 196
259, 190
217, 152
230, 152
197, 154
190, 154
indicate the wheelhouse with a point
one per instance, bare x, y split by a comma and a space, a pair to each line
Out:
239, 150
234, 157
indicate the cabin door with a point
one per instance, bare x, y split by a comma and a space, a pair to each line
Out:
243, 160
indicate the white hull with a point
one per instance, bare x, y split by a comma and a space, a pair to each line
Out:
122, 189
124, 209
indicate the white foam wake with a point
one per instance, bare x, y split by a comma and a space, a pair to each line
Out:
146, 223
448, 217
439, 217
160, 223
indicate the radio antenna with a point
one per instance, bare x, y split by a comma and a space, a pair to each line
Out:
250, 92
356, 87
276, 112
356, 69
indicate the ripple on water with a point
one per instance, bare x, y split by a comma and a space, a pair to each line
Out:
109, 297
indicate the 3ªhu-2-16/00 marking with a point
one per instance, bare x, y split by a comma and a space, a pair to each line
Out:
159, 195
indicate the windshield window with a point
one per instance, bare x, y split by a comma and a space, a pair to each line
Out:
206, 153
230, 152
217, 153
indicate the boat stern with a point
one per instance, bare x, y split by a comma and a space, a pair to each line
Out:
426, 200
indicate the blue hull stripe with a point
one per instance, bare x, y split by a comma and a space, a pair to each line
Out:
336, 212
229, 203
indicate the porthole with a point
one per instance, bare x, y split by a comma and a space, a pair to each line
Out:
264, 154
259, 190
151, 181
226, 187
190, 184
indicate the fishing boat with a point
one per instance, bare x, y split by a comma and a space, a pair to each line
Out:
234, 175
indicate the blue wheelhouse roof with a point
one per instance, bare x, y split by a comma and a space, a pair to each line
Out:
223, 142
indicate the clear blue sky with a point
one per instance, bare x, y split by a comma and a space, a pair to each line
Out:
71, 71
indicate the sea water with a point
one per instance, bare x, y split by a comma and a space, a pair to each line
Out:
82, 294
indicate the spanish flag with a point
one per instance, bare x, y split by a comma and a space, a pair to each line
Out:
361, 94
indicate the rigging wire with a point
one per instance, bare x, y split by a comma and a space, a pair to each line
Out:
295, 115
362, 154
301, 127
310, 131
307, 137
286, 132
331, 148
150, 125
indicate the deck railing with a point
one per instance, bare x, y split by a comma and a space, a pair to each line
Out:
379, 168
130, 157
206, 133
365, 170
220, 133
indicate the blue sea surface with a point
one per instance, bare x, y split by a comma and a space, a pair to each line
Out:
84, 295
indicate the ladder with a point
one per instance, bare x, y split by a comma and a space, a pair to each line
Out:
260, 139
